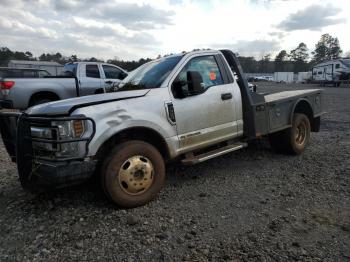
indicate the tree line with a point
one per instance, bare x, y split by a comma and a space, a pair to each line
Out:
297, 60
6, 55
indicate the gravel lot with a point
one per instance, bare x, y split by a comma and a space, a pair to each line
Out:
251, 205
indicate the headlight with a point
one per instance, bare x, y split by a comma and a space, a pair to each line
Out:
41, 132
64, 139
73, 128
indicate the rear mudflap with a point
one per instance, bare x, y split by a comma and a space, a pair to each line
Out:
8, 130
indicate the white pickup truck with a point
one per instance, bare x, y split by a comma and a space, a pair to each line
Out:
187, 107
79, 79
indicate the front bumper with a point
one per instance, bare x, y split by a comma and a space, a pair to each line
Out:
59, 174
36, 170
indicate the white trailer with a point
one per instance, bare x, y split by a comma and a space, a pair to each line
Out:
332, 72
286, 77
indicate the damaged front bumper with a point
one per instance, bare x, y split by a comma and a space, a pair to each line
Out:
38, 168
57, 174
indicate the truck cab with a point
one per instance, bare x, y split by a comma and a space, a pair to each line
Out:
95, 75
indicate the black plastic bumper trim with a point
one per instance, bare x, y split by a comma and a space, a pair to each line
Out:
6, 104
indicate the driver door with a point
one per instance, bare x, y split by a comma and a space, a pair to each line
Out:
209, 117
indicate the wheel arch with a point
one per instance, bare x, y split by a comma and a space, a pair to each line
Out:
303, 106
42, 94
145, 134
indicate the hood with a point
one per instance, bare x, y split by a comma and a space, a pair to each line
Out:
65, 107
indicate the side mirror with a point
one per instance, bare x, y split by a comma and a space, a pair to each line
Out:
193, 86
178, 89
195, 83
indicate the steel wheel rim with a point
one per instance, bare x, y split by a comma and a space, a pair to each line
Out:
136, 175
301, 133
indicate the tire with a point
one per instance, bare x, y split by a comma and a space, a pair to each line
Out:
295, 139
133, 174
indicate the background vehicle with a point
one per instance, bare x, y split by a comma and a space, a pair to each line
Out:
259, 78
6, 72
187, 107
331, 72
252, 87
79, 79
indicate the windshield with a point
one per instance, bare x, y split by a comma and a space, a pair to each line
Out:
150, 75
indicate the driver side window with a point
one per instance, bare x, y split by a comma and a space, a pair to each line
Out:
207, 67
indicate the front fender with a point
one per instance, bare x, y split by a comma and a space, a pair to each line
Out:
111, 122
99, 140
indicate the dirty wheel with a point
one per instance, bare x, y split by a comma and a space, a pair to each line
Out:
299, 134
133, 173
292, 140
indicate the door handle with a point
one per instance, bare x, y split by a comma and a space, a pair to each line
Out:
226, 96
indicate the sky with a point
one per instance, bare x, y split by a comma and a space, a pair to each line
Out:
133, 29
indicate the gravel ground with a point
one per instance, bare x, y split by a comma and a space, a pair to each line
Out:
251, 205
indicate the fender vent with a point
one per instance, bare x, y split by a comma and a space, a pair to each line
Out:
171, 112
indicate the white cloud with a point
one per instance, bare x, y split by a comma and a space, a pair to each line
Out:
139, 28
314, 17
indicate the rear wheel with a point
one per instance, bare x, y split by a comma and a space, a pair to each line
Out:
295, 139
41, 101
133, 173
37, 100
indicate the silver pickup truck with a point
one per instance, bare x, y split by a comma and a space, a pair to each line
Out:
80, 79
187, 107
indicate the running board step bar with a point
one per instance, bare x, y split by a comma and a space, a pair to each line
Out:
192, 159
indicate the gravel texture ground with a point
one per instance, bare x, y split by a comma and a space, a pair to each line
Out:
251, 205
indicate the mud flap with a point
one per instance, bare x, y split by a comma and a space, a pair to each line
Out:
8, 129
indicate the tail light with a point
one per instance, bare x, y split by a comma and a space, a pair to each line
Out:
6, 85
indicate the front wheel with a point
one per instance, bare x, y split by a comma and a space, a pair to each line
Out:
133, 173
295, 139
